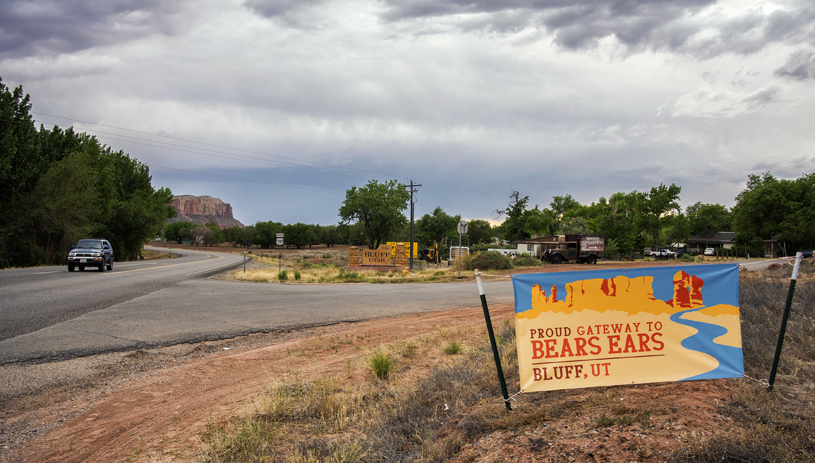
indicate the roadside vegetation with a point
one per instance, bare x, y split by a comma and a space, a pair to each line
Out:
60, 186
403, 411
155, 255
329, 267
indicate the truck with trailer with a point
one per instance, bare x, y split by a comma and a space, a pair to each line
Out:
583, 249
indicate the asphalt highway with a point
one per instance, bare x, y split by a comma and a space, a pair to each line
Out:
49, 314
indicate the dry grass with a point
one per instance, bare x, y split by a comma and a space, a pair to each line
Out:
327, 274
320, 266
153, 255
429, 417
777, 425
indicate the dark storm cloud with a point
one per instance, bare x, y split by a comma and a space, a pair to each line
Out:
52, 27
640, 25
279, 8
800, 66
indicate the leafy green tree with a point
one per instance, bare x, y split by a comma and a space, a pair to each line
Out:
574, 226
562, 205
233, 235
178, 231
437, 227
769, 207
330, 235
61, 209
538, 221
299, 235
675, 229
265, 234
133, 211
351, 234
378, 207
654, 206
218, 233
59, 185
615, 220
248, 235
706, 219
479, 231
514, 225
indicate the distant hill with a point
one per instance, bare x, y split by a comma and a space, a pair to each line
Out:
203, 209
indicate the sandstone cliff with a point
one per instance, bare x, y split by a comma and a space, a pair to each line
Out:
203, 209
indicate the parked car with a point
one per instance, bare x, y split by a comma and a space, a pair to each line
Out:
710, 251
94, 252
661, 253
807, 253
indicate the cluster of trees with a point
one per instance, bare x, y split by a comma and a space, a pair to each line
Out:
264, 234
60, 186
768, 208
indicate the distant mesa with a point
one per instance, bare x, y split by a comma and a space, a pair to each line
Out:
202, 210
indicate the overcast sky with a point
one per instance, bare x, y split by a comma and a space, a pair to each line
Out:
279, 106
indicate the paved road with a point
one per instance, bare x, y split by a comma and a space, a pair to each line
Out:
762, 264
50, 314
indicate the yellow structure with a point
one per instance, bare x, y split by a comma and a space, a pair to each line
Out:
393, 244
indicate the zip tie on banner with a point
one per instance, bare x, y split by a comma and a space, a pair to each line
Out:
763, 382
512, 397
497, 276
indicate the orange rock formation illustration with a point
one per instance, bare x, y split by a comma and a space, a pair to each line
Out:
631, 295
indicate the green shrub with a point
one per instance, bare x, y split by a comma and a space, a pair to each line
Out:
283, 275
489, 260
348, 276
297, 275
526, 260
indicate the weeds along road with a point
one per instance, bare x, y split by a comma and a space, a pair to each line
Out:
49, 314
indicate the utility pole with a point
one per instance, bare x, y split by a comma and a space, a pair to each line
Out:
412, 190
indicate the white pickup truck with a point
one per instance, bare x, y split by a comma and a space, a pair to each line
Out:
660, 253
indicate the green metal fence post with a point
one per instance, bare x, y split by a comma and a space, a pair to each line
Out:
492, 341
784, 320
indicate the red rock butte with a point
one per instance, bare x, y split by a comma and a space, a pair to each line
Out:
203, 209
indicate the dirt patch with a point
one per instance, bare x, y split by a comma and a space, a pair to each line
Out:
154, 404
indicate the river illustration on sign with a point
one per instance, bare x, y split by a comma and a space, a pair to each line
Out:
609, 327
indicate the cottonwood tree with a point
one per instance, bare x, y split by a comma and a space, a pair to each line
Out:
51, 177
378, 207
652, 208
514, 224
706, 219
479, 231
437, 227
769, 208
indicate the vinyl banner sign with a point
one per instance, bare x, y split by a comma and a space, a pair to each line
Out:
627, 326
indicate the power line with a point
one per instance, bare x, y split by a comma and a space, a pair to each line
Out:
245, 180
289, 162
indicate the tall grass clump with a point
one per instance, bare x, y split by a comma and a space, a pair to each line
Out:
283, 275
381, 363
451, 348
